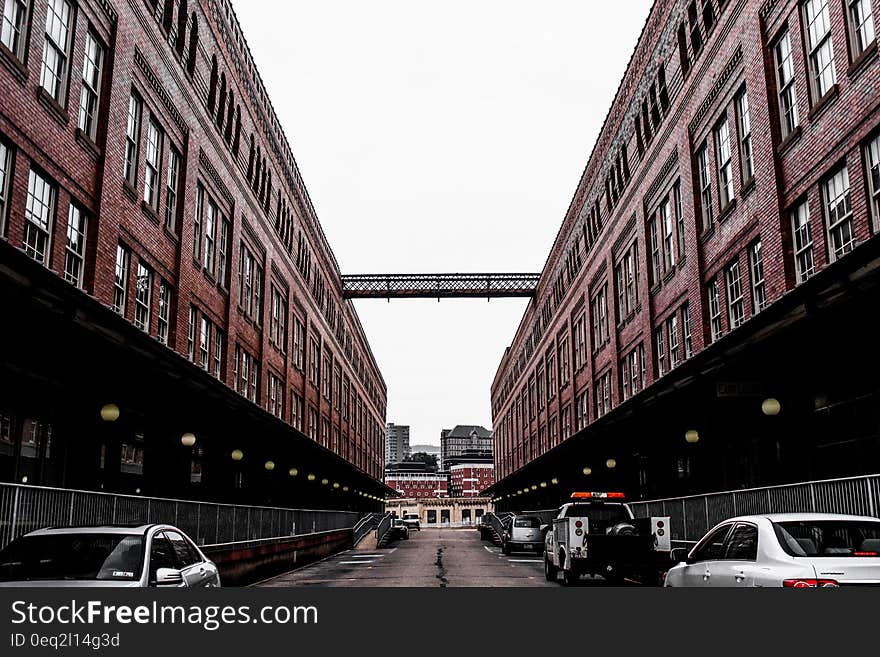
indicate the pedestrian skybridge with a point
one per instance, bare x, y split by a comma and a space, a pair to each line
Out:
439, 286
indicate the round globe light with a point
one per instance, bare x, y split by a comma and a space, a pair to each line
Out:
293, 472
771, 407
237, 455
109, 412
269, 465
188, 439
587, 471
311, 477
611, 464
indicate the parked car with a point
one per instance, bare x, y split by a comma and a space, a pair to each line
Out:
796, 550
523, 534
412, 521
107, 556
399, 530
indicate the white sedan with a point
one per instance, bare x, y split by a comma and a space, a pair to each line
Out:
797, 550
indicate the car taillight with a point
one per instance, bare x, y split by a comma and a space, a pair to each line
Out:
865, 554
578, 524
810, 583
660, 524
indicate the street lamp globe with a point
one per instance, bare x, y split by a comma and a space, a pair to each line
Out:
269, 465
188, 440
771, 407
109, 412
293, 472
611, 464
692, 436
310, 477
587, 471
237, 455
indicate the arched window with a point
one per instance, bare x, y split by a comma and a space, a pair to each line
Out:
168, 15
227, 134
255, 183
251, 154
212, 89
193, 44
237, 141
221, 103
180, 42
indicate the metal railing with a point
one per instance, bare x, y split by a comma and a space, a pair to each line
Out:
691, 517
496, 524
26, 508
383, 526
364, 526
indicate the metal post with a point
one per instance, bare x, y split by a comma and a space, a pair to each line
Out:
12, 536
70, 512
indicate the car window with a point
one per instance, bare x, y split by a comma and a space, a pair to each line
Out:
74, 557
527, 522
829, 538
161, 555
711, 548
742, 544
185, 556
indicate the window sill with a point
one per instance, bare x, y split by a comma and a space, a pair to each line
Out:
669, 275
727, 211
793, 137
747, 187
55, 109
14, 64
824, 102
860, 63
655, 289
150, 212
88, 144
707, 234
130, 191
170, 234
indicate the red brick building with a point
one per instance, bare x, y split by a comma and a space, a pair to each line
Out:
719, 252
143, 166
418, 485
470, 479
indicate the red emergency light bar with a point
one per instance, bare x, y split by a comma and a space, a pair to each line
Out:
597, 496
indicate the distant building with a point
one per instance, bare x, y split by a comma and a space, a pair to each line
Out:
469, 475
470, 439
396, 443
416, 481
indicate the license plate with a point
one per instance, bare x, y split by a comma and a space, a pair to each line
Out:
529, 546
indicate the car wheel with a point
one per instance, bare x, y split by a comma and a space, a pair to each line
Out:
569, 577
550, 571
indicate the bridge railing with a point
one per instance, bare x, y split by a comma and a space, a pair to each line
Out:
26, 508
692, 516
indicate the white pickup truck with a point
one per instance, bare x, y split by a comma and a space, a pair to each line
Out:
597, 534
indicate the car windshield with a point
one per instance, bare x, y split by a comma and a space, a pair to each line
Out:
527, 522
399, 523
114, 557
829, 538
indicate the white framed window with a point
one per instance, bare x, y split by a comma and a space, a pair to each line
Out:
563, 358
714, 296
143, 297
636, 367
164, 311
672, 341
785, 85
679, 219
656, 256
278, 321
90, 94
210, 228
861, 25
218, 353
668, 228
299, 344
759, 286
53, 75
872, 161
206, 332
705, 185
250, 283
172, 187
38, 215
600, 318
5, 166
823, 74
153, 163
802, 236
120, 280
296, 406
744, 123
736, 308
725, 168
580, 343
603, 395
132, 138
625, 381
223, 252
838, 213
275, 395
660, 346
686, 330
75, 253
191, 334
12, 35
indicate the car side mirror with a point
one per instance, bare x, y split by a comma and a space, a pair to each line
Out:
679, 555
168, 577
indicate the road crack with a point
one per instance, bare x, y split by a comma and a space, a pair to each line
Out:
441, 569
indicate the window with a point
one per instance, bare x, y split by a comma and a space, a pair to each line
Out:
872, 156
299, 344
14, 26
539, 387
551, 376
656, 259
59, 15
580, 343
686, 329
679, 218
38, 216
91, 86
756, 265
172, 184
736, 312
742, 545
154, 161
788, 108
744, 123
250, 283
711, 548
5, 161
120, 284
164, 311
714, 295
660, 345
603, 395
245, 374
278, 322
314, 363
222, 252
296, 411
210, 228
218, 353
583, 410
191, 335
841, 233
803, 242
75, 252
143, 297
132, 138
205, 335
563, 361
327, 375
861, 25
725, 179
636, 367
337, 385
599, 314
823, 75
672, 340
667, 226
705, 184
275, 396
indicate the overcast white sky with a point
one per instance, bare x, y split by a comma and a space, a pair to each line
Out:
441, 137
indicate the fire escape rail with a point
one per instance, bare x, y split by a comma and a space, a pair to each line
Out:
439, 286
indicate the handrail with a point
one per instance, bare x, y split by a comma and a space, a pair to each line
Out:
383, 527
364, 526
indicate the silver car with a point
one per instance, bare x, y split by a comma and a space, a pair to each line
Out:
793, 550
523, 534
108, 556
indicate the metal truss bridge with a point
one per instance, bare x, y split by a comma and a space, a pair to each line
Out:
439, 286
